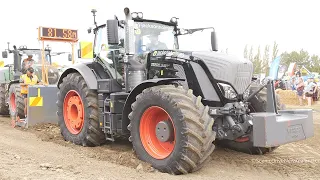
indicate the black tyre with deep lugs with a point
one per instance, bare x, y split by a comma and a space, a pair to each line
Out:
4, 108
90, 134
193, 128
16, 101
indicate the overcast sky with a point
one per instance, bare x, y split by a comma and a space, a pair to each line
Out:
293, 24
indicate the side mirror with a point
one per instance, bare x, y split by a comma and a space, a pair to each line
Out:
112, 27
4, 54
214, 45
69, 57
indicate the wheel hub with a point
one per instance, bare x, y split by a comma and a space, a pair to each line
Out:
73, 112
157, 132
164, 131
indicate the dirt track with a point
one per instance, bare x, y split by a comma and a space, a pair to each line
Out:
41, 153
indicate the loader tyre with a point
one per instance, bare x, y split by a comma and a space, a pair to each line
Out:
78, 112
171, 129
4, 109
16, 101
258, 104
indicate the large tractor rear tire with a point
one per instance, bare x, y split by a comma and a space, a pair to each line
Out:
4, 109
258, 104
78, 112
16, 101
171, 129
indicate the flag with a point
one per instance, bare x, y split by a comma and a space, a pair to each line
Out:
274, 68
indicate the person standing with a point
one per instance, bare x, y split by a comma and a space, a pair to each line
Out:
310, 90
25, 80
28, 62
300, 88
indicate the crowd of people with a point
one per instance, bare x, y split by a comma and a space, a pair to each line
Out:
308, 89
305, 89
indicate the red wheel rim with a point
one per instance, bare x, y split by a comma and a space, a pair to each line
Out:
149, 120
242, 139
73, 112
13, 102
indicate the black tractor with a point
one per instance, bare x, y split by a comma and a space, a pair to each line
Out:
174, 106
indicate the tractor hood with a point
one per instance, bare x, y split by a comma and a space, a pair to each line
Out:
231, 69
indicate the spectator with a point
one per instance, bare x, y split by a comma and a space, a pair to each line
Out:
27, 63
293, 84
300, 88
298, 72
310, 90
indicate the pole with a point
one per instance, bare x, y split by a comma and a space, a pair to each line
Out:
42, 62
72, 55
44, 67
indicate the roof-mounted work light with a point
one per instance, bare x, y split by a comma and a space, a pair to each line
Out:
136, 15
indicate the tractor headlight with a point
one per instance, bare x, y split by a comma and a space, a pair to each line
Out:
174, 20
229, 92
140, 15
134, 15
137, 15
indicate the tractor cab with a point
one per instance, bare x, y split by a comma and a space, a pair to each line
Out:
128, 46
19, 54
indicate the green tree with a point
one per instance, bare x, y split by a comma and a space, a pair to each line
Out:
265, 60
275, 50
251, 54
257, 63
314, 64
245, 52
301, 58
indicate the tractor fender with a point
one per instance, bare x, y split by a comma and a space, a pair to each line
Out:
10, 83
85, 72
137, 90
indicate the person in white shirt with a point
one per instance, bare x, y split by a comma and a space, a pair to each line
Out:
310, 90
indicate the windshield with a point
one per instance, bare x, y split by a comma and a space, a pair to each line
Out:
36, 56
151, 36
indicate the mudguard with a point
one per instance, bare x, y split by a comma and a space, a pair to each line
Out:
85, 72
137, 90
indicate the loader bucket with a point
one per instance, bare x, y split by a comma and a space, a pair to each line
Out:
41, 106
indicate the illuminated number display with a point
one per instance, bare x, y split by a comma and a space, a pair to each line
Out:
58, 34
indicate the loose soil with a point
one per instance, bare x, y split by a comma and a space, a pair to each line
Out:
40, 152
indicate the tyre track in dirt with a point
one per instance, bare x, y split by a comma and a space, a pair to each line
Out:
300, 160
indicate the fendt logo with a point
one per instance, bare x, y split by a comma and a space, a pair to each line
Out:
161, 53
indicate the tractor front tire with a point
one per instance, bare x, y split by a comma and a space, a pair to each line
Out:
4, 109
16, 101
189, 141
78, 112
